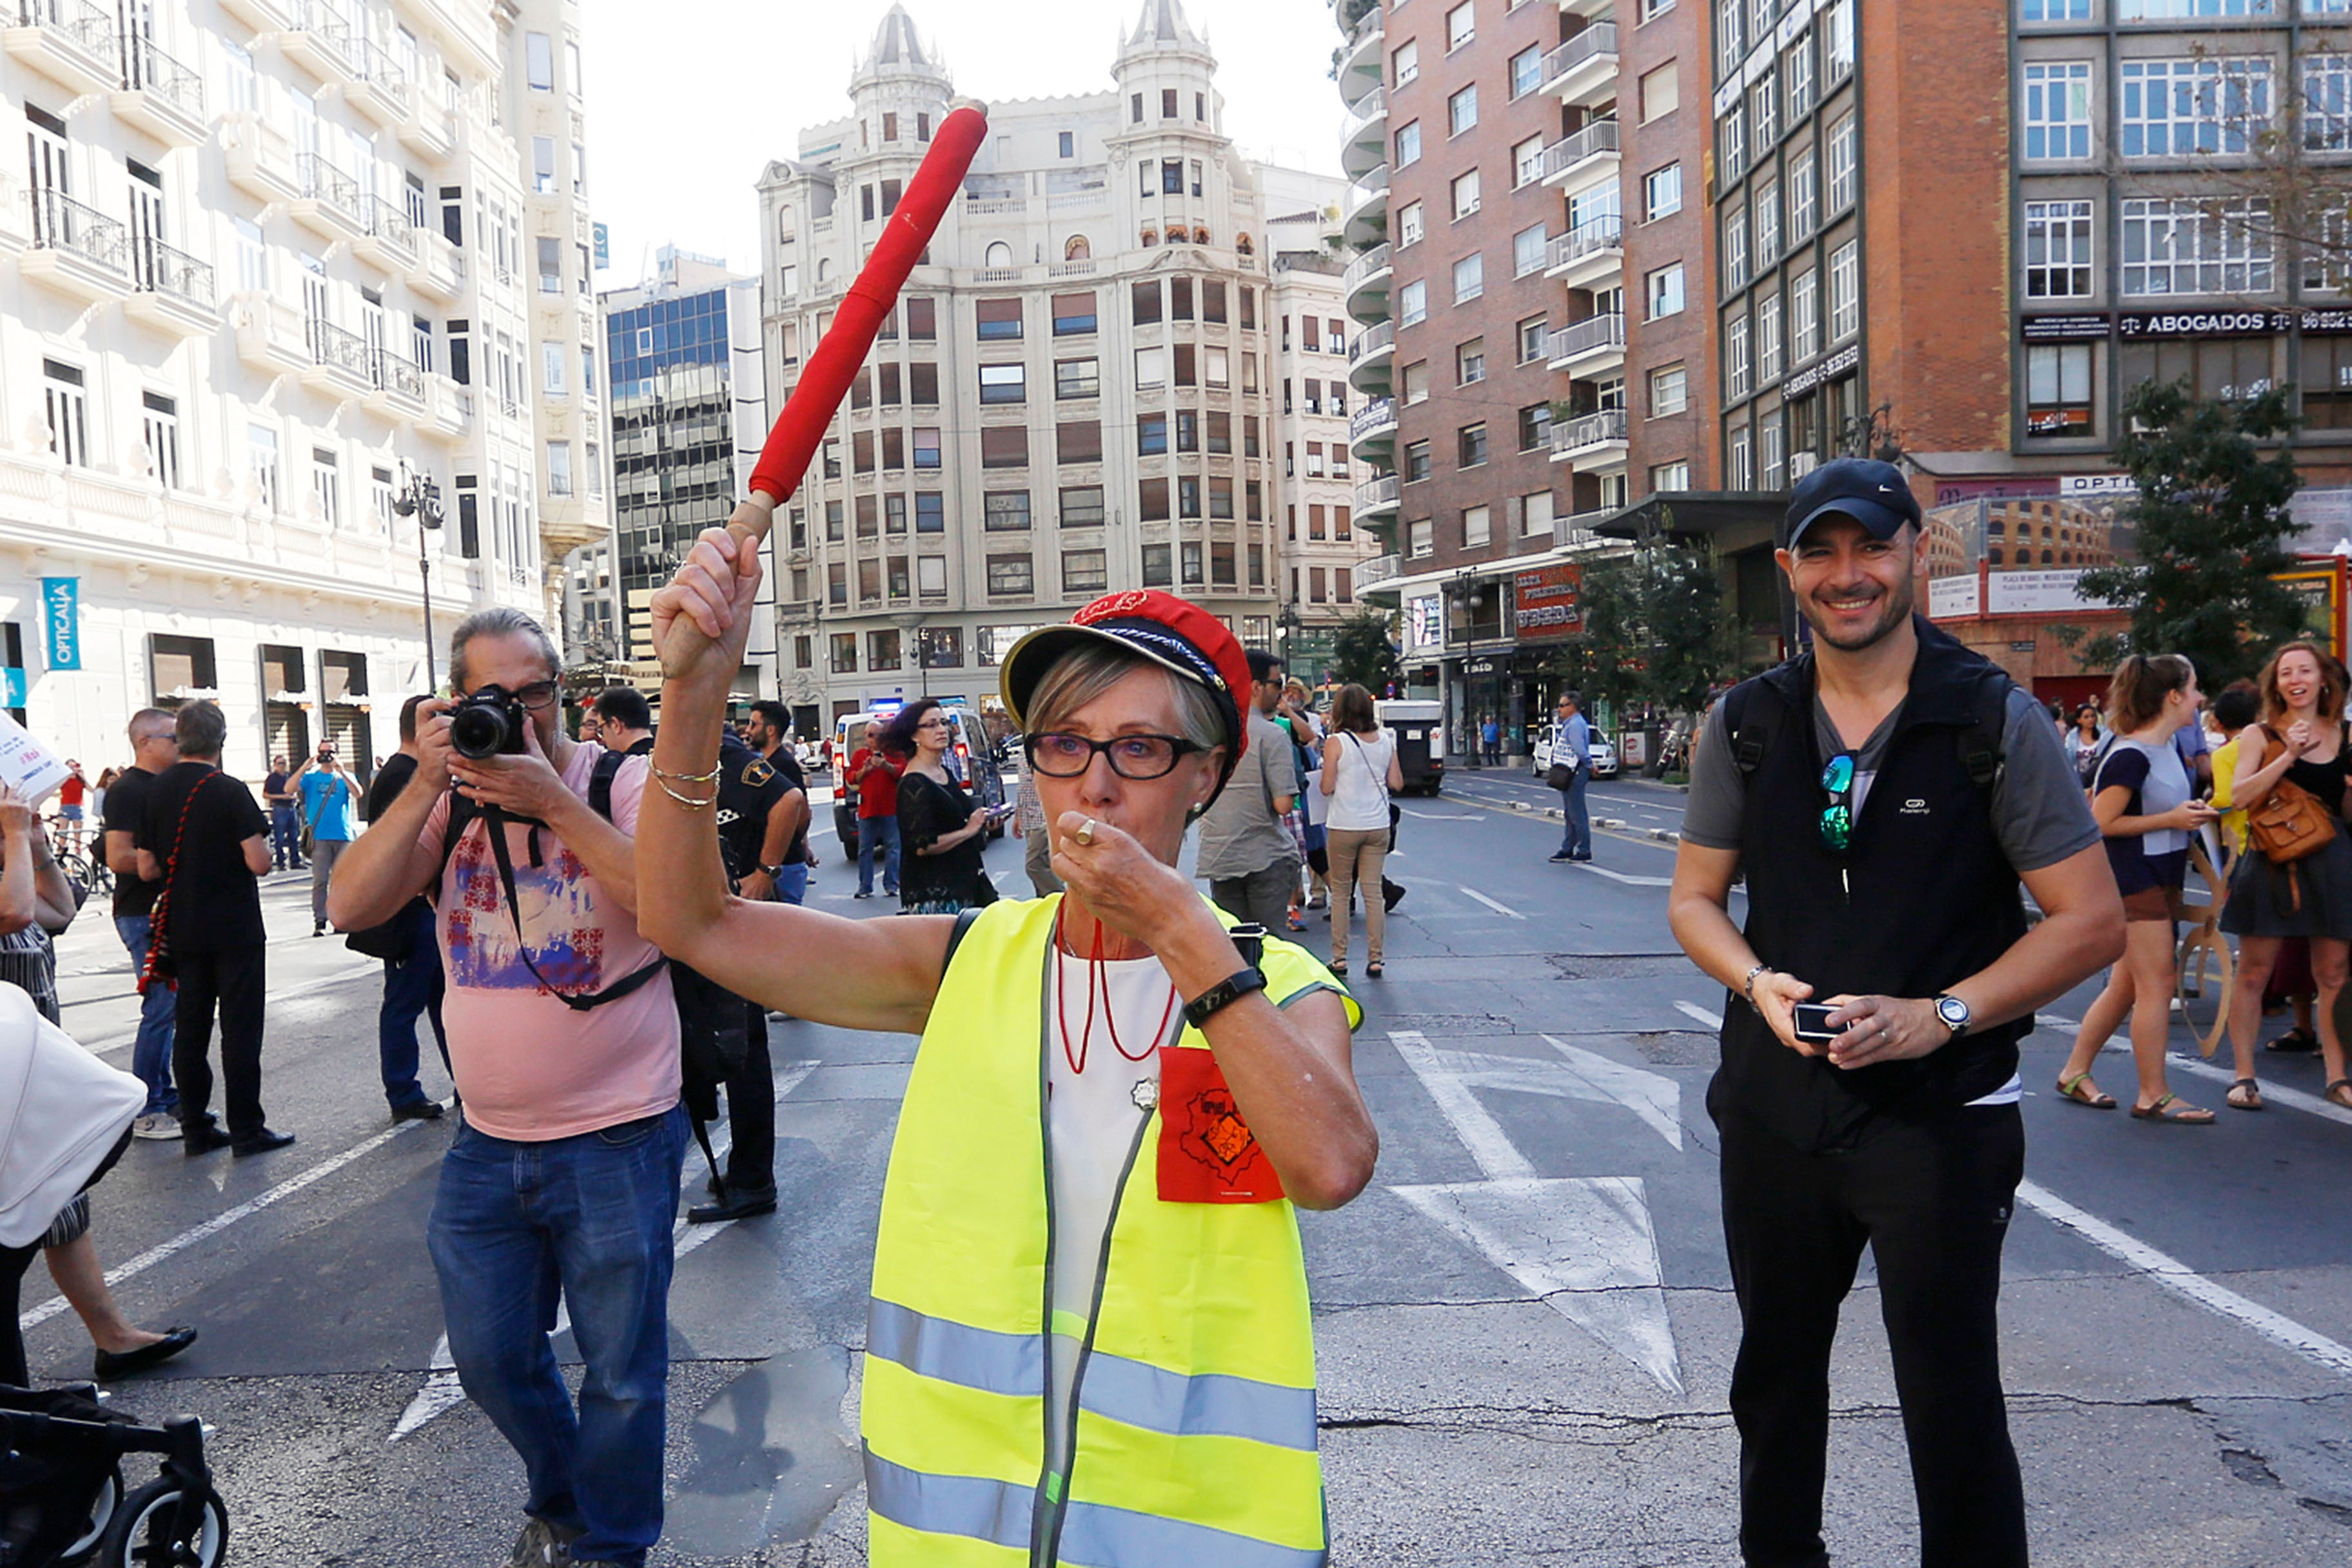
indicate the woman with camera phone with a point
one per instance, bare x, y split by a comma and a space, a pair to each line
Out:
1088, 1329
939, 829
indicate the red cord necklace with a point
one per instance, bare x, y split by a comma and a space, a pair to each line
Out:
1096, 968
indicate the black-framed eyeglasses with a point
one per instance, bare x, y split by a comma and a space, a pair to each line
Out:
1837, 818
1060, 755
538, 694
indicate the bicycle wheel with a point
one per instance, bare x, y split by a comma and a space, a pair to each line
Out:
2207, 974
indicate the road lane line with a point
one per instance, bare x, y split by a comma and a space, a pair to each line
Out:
1498, 909
1629, 880
2182, 1280
226, 1217
1480, 1132
1693, 1010
2294, 1098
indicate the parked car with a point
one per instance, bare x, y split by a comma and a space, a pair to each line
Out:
968, 742
1603, 750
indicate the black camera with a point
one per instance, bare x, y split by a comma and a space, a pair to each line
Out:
489, 723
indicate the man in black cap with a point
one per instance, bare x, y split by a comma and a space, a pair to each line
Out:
1883, 793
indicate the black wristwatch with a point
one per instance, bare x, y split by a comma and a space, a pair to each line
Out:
770, 872
1223, 994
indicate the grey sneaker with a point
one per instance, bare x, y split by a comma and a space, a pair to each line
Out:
542, 1544
155, 1124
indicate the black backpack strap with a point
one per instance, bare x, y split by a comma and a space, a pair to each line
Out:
1752, 725
1982, 743
599, 782
955, 937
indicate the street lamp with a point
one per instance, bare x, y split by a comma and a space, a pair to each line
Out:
420, 498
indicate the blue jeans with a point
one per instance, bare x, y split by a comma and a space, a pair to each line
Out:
515, 1226
413, 988
792, 883
285, 837
873, 830
151, 1057
1578, 840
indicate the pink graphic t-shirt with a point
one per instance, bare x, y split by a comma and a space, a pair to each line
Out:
528, 1067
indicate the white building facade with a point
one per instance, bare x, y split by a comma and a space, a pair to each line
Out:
1073, 395
268, 275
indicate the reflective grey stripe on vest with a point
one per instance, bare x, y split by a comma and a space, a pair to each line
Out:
955, 1352
970, 1506
1207, 1405
1094, 1535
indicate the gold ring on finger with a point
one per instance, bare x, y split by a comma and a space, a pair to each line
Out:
1086, 833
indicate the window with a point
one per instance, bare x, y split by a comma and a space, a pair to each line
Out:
2185, 246
1180, 302
539, 55
998, 320
844, 644
543, 165
2058, 389
1536, 513
930, 512
1470, 443
1405, 63
1078, 441
894, 514
1011, 575
550, 266
1527, 72
1469, 277
1077, 378
1152, 434
1736, 266
1661, 192
1074, 313
1736, 368
1837, 38
550, 368
1143, 302
69, 414
1531, 333
1767, 341
1802, 196
326, 486
1188, 430
1409, 224
160, 427
1413, 304
1535, 426
1797, 75
559, 467
1212, 302
1729, 18
1664, 291
882, 649
2177, 108
1188, 503
1004, 384
1416, 382
2057, 251
1470, 362
1167, 103
1660, 92
1003, 509
1670, 476
1082, 506
1845, 290
1421, 538
1804, 316
1416, 461
1733, 135
2057, 109
1526, 163
1742, 462
1462, 110
1527, 251
2164, 10
1764, 112
1151, 368
1478, 527
1842, 151
1461, 26
1408, 145
1669, 391
2326, 102
927, 446
587, 361
1776, 452
1189, 559
1465, 195
940, 647
262, 459
1065, 144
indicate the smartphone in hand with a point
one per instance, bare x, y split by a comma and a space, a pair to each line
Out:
1813, 1023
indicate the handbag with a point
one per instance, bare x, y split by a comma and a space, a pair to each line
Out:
1560, 775
2290, 823
395, 940
160, 967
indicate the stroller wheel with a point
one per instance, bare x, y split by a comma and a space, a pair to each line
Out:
102, 1514
142, 1533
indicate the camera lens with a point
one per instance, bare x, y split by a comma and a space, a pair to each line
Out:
478, 729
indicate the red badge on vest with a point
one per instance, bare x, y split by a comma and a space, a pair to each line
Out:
1207, 1152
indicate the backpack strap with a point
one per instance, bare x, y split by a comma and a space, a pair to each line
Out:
599, 782
963, 920
1982, 744
1753, 726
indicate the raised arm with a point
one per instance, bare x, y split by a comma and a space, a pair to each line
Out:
864, 974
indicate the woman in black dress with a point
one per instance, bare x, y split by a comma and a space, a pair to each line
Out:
939, 827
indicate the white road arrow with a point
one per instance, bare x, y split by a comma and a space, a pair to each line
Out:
441, 1393
1585, 1246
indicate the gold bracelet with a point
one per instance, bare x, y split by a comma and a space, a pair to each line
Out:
710, 777
689, 802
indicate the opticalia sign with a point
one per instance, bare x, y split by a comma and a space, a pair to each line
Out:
1549, 603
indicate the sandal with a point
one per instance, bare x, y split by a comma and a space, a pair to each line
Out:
1339, 967
1372, 970
1293, 921
2339, 1093
2170, 1109
2246, 1095
2294, 1041
2072, 1087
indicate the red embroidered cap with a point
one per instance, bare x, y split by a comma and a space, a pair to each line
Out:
1172, 633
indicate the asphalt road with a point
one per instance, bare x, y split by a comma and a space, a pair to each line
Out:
1525, 1326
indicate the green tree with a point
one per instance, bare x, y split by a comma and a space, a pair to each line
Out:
1654, 628
2212, 532
1363, 649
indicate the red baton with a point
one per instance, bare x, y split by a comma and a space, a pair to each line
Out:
794, 439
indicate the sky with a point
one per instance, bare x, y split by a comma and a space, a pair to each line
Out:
677, 137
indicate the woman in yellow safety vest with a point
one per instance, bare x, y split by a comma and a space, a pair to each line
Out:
1088, 1341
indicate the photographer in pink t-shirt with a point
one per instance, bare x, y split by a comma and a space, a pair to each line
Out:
563, 1038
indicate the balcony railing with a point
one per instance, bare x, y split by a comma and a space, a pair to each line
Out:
322, 181
1376, 418
1380, 335
1589, 430
90, 29
1374, 105
1382, 491
394, 374
1379, 568
1606, 232
1372, 188
1603, 332
150, 69
61, 223
1379, 258
1598, 39
161, 269
337, 349
389, 223
375, 65
1564, 155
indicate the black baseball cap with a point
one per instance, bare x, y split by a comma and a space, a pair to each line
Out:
1873, 493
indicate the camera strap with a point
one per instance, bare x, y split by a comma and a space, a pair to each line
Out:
495, 820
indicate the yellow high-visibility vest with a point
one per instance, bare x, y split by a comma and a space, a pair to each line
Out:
1195, 1436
